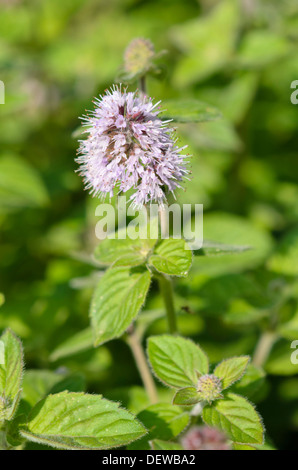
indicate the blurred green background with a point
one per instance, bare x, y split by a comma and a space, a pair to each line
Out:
240, 56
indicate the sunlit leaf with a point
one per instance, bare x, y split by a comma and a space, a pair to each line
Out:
187, 396
176, 361
117, 300
11, 372
231, 370
237, 418
79, 421
172, 257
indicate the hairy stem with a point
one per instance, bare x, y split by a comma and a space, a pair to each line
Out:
166, 289
263, 348
143, 84
3, 442
164, 223
142, 365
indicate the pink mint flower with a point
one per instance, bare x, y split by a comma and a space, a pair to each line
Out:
204, 438
129, 147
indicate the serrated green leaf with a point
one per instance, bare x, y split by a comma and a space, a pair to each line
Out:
11, 372
163, 421
124, 252
231, 370
189, 111
172, 257
176, 361
78, 343
236, 417
81, 421
158, 444
117, 300
186, 396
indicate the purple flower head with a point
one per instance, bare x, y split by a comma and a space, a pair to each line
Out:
130, 147
204, 438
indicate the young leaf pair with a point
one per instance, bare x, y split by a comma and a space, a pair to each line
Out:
122, 290
183, 365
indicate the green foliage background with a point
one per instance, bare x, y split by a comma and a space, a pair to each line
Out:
239, 56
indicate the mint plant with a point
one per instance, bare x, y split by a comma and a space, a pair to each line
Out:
131, 149
183, 365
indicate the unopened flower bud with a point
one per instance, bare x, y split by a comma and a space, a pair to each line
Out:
138, 55
209, 388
